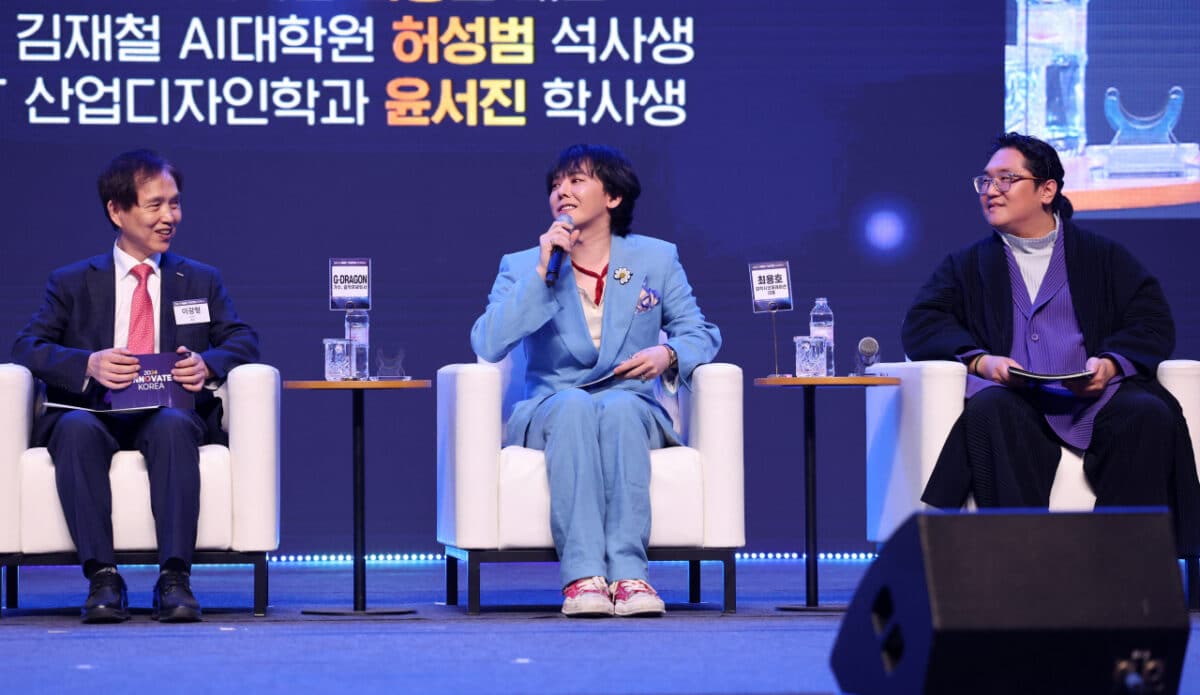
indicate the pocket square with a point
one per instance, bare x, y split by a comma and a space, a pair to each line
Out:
648, 298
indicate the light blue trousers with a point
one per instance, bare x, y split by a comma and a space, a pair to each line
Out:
598, 460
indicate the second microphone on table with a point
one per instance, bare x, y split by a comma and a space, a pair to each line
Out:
868, 354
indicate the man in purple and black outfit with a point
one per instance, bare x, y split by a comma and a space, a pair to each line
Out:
1043, 295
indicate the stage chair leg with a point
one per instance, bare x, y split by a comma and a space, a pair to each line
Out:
451, 580
693, 581
261, 586
729, 566
10, 586
472, 585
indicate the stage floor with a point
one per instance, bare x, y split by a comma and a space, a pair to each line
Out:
519, 644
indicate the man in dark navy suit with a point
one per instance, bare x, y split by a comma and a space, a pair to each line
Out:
98, 314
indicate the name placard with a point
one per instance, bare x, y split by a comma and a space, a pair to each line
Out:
349, 283
771, 286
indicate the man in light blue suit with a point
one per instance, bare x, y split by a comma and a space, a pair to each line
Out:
592, 340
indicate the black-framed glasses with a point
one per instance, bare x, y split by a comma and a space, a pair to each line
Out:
1003, 182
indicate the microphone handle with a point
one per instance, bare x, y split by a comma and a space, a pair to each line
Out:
556, 253
554, 265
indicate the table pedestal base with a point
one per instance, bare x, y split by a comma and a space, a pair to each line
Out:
811, 609
357, 613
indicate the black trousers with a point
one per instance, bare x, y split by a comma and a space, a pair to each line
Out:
1002, 450
82, 445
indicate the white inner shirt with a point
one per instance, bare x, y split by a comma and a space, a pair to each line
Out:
593, 313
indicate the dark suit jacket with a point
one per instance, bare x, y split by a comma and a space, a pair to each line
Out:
77, 316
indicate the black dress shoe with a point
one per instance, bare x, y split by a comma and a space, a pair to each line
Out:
108, 600
173, 599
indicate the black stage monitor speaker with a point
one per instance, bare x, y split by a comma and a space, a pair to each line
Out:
1018, 603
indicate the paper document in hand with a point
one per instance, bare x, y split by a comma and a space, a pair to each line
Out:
1034, 376
596, 382
64, 406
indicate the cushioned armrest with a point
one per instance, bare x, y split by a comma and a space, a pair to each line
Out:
906, 428
712, 417
468, 452
253, 410
16, 421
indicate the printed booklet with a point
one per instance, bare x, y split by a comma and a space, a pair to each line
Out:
152, 388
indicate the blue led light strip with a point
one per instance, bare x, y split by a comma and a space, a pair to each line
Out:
420, 558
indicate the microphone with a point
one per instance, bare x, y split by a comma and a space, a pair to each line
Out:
557, 253
868, 354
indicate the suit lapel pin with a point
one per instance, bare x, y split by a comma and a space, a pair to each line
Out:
622, 275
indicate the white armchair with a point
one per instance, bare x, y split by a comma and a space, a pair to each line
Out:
239, 486
494, 501
907, 426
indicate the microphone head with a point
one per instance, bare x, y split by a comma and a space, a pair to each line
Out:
868, 347
868, 354
566, 218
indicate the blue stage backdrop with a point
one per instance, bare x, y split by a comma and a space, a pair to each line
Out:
838, 136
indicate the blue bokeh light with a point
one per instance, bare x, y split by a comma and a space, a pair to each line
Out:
885, 230
885, 224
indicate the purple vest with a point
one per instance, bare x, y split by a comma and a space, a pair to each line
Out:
1047, 339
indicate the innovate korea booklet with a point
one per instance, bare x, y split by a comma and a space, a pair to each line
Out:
153, 387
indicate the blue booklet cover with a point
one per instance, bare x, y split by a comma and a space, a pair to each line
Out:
154, 387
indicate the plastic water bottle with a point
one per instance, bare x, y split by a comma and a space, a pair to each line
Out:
358, 332
820, 323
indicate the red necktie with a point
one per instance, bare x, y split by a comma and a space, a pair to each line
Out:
599, 279
141, 314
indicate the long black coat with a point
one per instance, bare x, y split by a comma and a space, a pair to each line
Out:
967, 305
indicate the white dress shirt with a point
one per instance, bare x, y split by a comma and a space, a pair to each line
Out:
126, 284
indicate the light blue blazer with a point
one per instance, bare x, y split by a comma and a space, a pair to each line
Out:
645, 291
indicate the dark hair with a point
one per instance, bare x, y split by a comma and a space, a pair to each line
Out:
120, 180
614, 171
1043, 162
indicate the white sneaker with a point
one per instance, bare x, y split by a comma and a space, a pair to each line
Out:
636, 597
587, 598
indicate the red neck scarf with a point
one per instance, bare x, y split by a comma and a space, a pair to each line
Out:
599, 278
